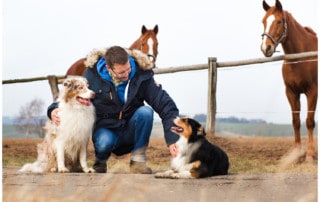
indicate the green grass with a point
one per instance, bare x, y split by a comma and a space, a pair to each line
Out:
260, 129
238, 165
10, 161
11, 131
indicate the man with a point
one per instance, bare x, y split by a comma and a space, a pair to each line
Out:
122, 82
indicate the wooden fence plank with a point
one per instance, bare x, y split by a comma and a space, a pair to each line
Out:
212, 104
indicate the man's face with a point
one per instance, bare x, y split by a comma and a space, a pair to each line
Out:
121, 72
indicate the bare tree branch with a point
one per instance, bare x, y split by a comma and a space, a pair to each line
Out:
30, 120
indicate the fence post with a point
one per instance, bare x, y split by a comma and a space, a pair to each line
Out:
212, 105
53, 82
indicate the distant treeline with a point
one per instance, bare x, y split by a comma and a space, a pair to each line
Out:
202, 118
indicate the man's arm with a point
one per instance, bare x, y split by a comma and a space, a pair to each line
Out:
164, 105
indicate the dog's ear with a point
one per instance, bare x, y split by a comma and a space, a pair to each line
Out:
196, 126
71, 84
201, 131
67, 83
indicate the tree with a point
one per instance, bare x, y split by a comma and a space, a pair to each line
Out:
30, 120
200, 117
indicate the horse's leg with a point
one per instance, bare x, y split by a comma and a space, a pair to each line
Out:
294, 101
312, 103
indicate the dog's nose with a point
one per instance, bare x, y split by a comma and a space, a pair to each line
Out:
92, 94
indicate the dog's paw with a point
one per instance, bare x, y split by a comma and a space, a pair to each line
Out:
175, 176
196, 164
63, 170
53, 170
160, 175
181, 175
165, 174
88, 170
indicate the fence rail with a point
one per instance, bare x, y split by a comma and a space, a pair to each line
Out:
212, 65
237, 63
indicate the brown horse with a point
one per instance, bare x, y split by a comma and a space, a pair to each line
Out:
147, 43
301, 75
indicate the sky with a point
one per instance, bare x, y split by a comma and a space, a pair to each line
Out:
43, 38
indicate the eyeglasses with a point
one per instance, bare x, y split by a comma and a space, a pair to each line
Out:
123, 73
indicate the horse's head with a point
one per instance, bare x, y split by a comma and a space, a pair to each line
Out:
148, 42
275, 28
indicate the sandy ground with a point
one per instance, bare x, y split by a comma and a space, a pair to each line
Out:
136, 187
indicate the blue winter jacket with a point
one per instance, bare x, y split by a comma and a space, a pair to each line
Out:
111, 112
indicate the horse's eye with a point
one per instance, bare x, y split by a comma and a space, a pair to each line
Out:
279, 22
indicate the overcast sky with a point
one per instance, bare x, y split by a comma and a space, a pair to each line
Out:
42, 38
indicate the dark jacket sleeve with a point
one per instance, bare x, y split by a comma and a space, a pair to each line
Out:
164, 105
51, 108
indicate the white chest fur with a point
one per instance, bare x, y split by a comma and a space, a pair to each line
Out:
180, 159
76, 120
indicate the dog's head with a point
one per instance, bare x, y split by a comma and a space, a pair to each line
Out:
189, 128
75, 88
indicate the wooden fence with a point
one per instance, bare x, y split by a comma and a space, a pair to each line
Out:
212, 66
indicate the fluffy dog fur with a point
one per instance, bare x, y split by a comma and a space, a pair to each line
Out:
65, 145
197, 157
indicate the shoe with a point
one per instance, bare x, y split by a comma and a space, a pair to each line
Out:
100, 166
139, 168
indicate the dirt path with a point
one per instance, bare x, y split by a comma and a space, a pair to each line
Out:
127, 187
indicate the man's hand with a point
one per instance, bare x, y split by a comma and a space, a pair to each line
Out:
173, 150
55, 117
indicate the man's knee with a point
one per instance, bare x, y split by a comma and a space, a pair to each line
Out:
104, 141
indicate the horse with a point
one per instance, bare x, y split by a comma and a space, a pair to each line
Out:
146, 43
300, 75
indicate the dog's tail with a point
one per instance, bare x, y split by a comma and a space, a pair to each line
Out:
34, 167
40, 165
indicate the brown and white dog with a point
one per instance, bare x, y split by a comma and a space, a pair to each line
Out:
65, 145
197, 157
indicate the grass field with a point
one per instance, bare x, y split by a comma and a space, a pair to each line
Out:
252, 147
260, 129
246, 154
248, 129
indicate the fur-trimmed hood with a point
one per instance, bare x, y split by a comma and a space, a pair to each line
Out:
142, 59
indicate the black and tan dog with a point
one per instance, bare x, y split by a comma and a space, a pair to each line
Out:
197, 157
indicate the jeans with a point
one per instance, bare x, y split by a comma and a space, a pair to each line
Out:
133, 136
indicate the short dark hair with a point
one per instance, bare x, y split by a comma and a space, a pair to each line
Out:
116, 55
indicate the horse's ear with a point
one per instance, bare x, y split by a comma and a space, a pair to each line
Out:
278, 5
265, 5
155, 29
143, 29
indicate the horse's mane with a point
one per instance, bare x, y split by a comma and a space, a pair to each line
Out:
307, 29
